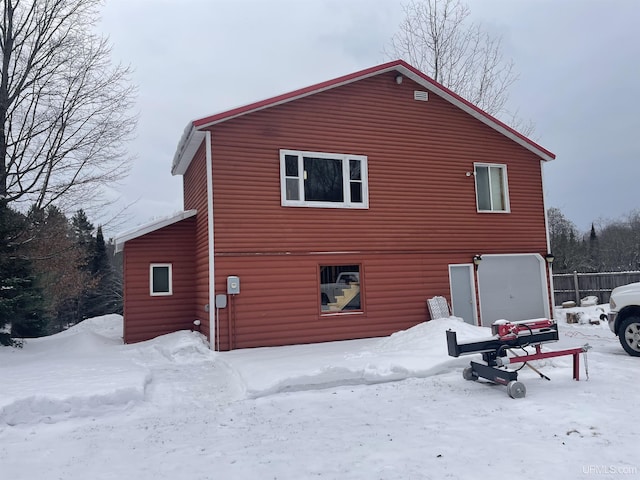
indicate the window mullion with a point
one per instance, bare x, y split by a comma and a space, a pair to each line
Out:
301, 175
491, 206
346, 180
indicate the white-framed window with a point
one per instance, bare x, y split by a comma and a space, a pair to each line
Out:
492, 189
328, 180
160, 279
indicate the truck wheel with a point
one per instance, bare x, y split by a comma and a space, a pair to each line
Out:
629, 335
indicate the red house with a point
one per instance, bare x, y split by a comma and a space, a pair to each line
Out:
335, 211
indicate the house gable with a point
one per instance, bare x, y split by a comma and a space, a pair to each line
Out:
193, 136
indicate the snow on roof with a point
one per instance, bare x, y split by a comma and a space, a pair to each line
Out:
157, 224
193, 134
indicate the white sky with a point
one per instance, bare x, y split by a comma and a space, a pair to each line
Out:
577, 61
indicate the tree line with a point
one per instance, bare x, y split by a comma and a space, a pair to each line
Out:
56, 272
614, 246
65, 118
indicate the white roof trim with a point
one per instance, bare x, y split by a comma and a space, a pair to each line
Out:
121, 238
187, 148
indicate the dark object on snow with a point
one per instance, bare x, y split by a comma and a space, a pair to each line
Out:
506, 337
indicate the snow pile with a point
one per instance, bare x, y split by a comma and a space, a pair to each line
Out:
108, 326
77, 377
418, 352
86, 371
181, 348
66, 389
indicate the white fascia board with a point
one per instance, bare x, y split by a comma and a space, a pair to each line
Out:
120, 239
187, 147
473, 112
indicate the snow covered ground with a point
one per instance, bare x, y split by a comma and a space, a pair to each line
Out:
81, 405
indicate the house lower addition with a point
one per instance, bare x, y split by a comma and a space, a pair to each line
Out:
307, 298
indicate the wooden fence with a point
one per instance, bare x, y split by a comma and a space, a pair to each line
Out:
574, 286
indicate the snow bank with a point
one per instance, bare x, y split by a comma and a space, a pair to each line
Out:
183, 347
75, 373
109, 326
42, 392
417, 352
86, 371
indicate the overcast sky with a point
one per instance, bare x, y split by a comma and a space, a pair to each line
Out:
578, 63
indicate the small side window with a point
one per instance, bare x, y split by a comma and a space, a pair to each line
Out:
492, 191
160, 279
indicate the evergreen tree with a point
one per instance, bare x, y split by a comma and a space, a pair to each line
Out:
83, 231
21, 301
100, 300
594, 250
99, 261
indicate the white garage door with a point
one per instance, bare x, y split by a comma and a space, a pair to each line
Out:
512, 287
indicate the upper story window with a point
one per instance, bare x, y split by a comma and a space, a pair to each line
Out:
330, 180
492, 191
160, 279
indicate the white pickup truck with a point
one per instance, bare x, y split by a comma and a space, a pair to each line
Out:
329, 291
624, 317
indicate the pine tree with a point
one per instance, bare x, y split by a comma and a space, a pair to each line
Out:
594, 250
83, 231
99, 261
103, 298
83, 234
21, 301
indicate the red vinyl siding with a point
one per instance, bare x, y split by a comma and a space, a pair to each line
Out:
147, 316
418, 156
195, 197
279, 300
422, 210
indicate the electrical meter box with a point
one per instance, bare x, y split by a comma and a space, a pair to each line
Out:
233, 285
221, 300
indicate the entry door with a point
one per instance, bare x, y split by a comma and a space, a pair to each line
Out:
463, 292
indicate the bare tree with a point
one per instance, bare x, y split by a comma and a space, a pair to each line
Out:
65, 110
437, 38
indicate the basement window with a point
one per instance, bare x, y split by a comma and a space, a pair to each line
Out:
340, 288
325, 180
492, 192
160, 279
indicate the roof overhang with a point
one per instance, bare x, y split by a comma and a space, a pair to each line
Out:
187, 148
193, 134
122, 238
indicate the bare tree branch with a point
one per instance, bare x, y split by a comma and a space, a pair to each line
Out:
65, 110
437, 38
